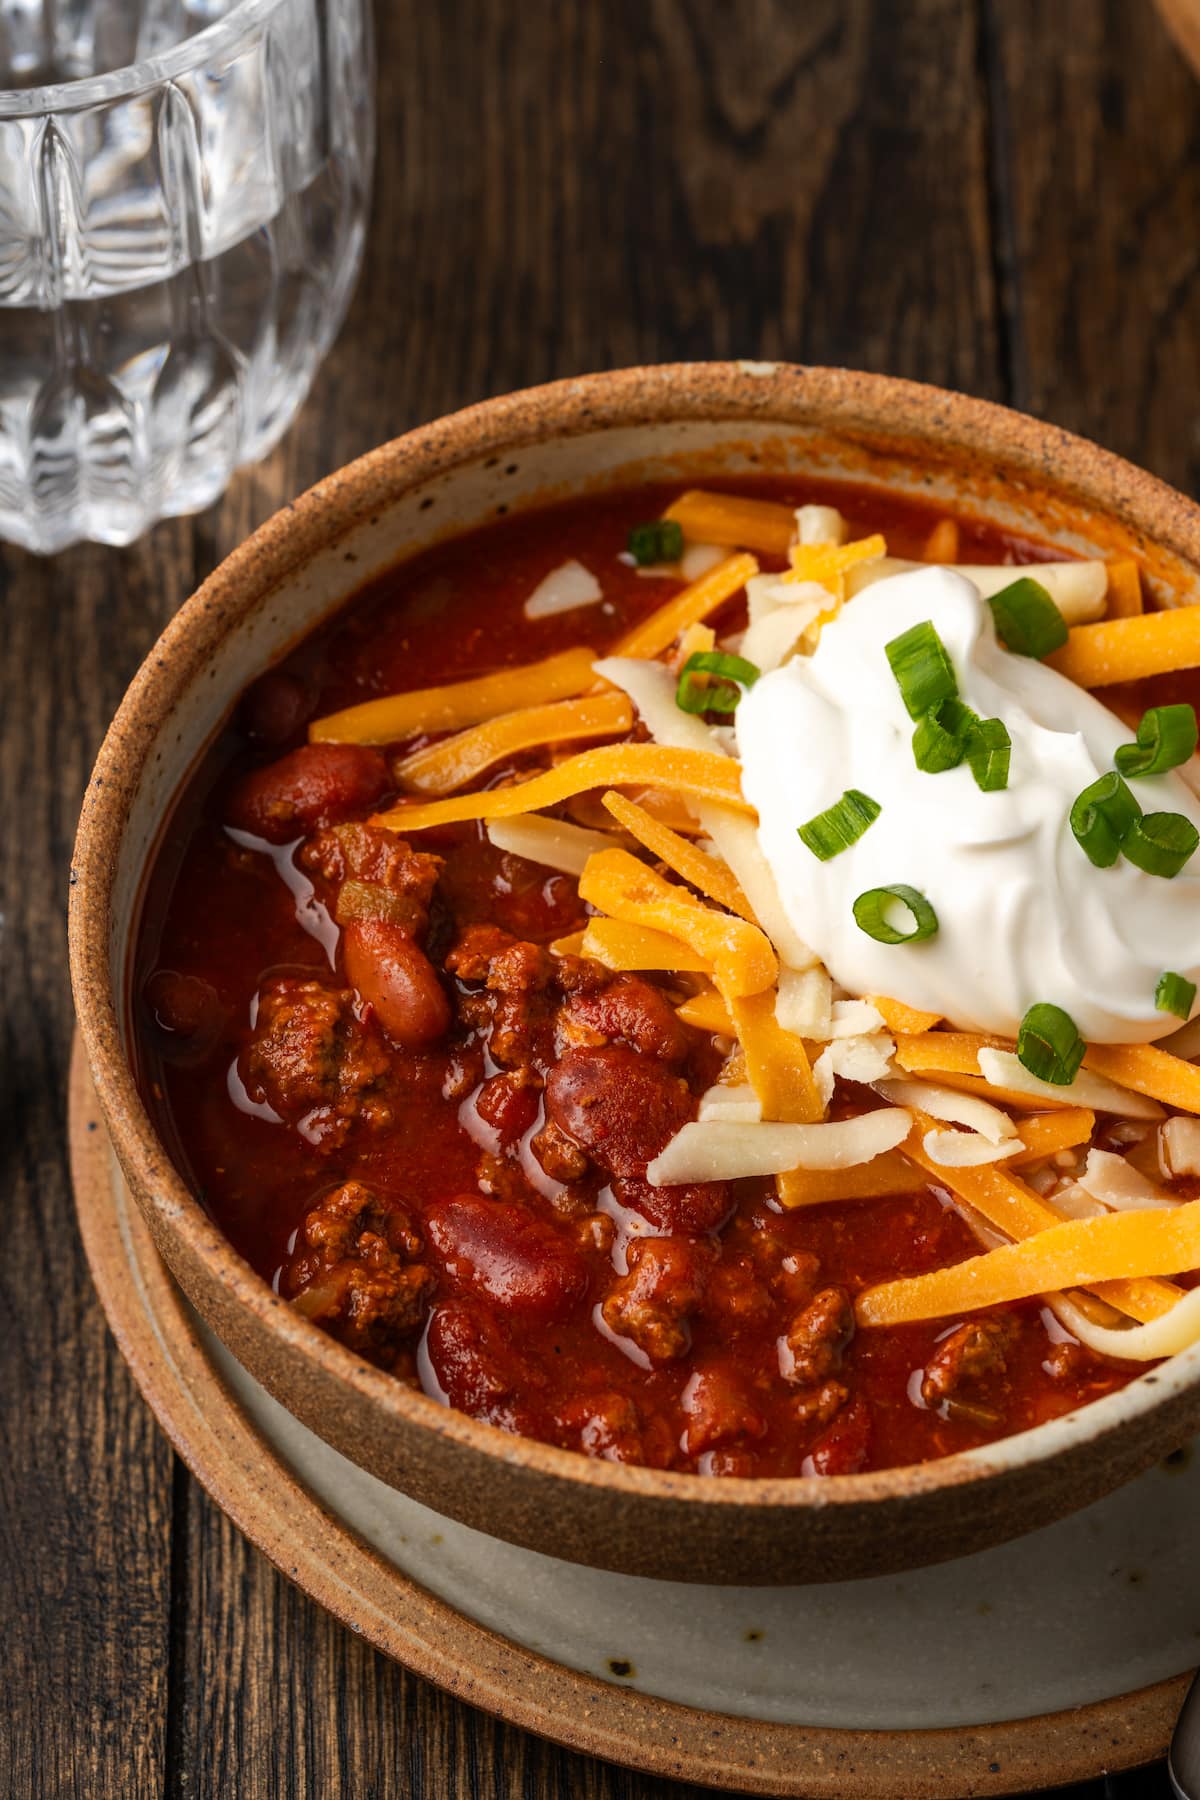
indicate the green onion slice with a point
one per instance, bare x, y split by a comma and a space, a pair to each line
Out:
657, 541
871, 912
989, 750
1101, 818
1049, 1046
1160, 843
1166, 737
734, 675
1175, 994
1027, 621
840, 825
923, 670
940, 740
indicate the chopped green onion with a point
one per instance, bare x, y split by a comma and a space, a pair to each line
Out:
1174, 994
1027, 621
922, 667
1049, 1046
1101, 817
1160, 843
658, 541
840, 825
871, 914
1166, 737
734, 674
940, 740
989, 750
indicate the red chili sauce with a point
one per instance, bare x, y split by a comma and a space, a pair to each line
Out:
467, 1206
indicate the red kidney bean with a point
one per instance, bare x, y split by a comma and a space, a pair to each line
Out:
397, 980
318, 784
504, 1255
275, 708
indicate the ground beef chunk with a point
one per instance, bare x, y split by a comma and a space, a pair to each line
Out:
736, 1296
627, 1011
612, 1426
357, 1271
313, 1062
718, 1410
651, 1304
518, 1019
406, 878
819, 1405
560, 1157
967, 1359
622, 1109
477, 1367
817, 1337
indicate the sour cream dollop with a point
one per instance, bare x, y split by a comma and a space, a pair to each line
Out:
1023, 915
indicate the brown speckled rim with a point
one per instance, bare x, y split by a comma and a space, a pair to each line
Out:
316, 1550
1048, 469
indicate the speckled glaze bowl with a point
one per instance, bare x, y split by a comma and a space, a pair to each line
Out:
684, 421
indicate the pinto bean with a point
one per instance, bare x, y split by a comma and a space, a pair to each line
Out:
505, 1255
316, 785
397, 980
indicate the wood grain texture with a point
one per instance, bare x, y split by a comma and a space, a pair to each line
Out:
995, 194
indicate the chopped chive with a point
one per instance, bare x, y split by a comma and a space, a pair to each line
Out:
1175, 994
657, 541
1101, 817
1049, 1046
989, 751
1166, 737
840, 825
734, 675
1160, 843
922, 667
940, 739
1027, 621
872, 908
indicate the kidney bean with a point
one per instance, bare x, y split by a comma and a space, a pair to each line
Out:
397, 980
187, 1010
316, 785
476, 1367
845, 1446
275, 708
504, 1255
623, 1109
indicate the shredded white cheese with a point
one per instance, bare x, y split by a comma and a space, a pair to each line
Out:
966, 1149
1002, 1069
725, 1151
552, 842
565, 588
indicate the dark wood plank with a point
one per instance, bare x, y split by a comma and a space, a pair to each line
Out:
1099, 118
85, 1478
587, 187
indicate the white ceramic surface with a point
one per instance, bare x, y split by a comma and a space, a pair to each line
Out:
1101, 1604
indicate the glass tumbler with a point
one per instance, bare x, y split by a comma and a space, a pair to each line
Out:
183, 190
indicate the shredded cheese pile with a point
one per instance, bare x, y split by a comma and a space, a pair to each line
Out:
669, 862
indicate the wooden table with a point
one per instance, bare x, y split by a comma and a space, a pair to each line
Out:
1001, 195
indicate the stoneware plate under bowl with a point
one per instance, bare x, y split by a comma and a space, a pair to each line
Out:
683, 422
1040, 1662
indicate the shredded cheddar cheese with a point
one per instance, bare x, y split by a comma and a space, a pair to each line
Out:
730, 520
462, 703
695, 772
442, 767
707, 1012
619, 945
659, 631
776, 1061
1129, 649
739, 955
712, 877
1114, 1248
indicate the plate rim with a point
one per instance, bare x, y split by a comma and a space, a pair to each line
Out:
333, 1565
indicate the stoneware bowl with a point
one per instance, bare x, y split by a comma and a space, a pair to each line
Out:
675, 422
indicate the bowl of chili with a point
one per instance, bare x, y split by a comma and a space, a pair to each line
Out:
390, 1055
